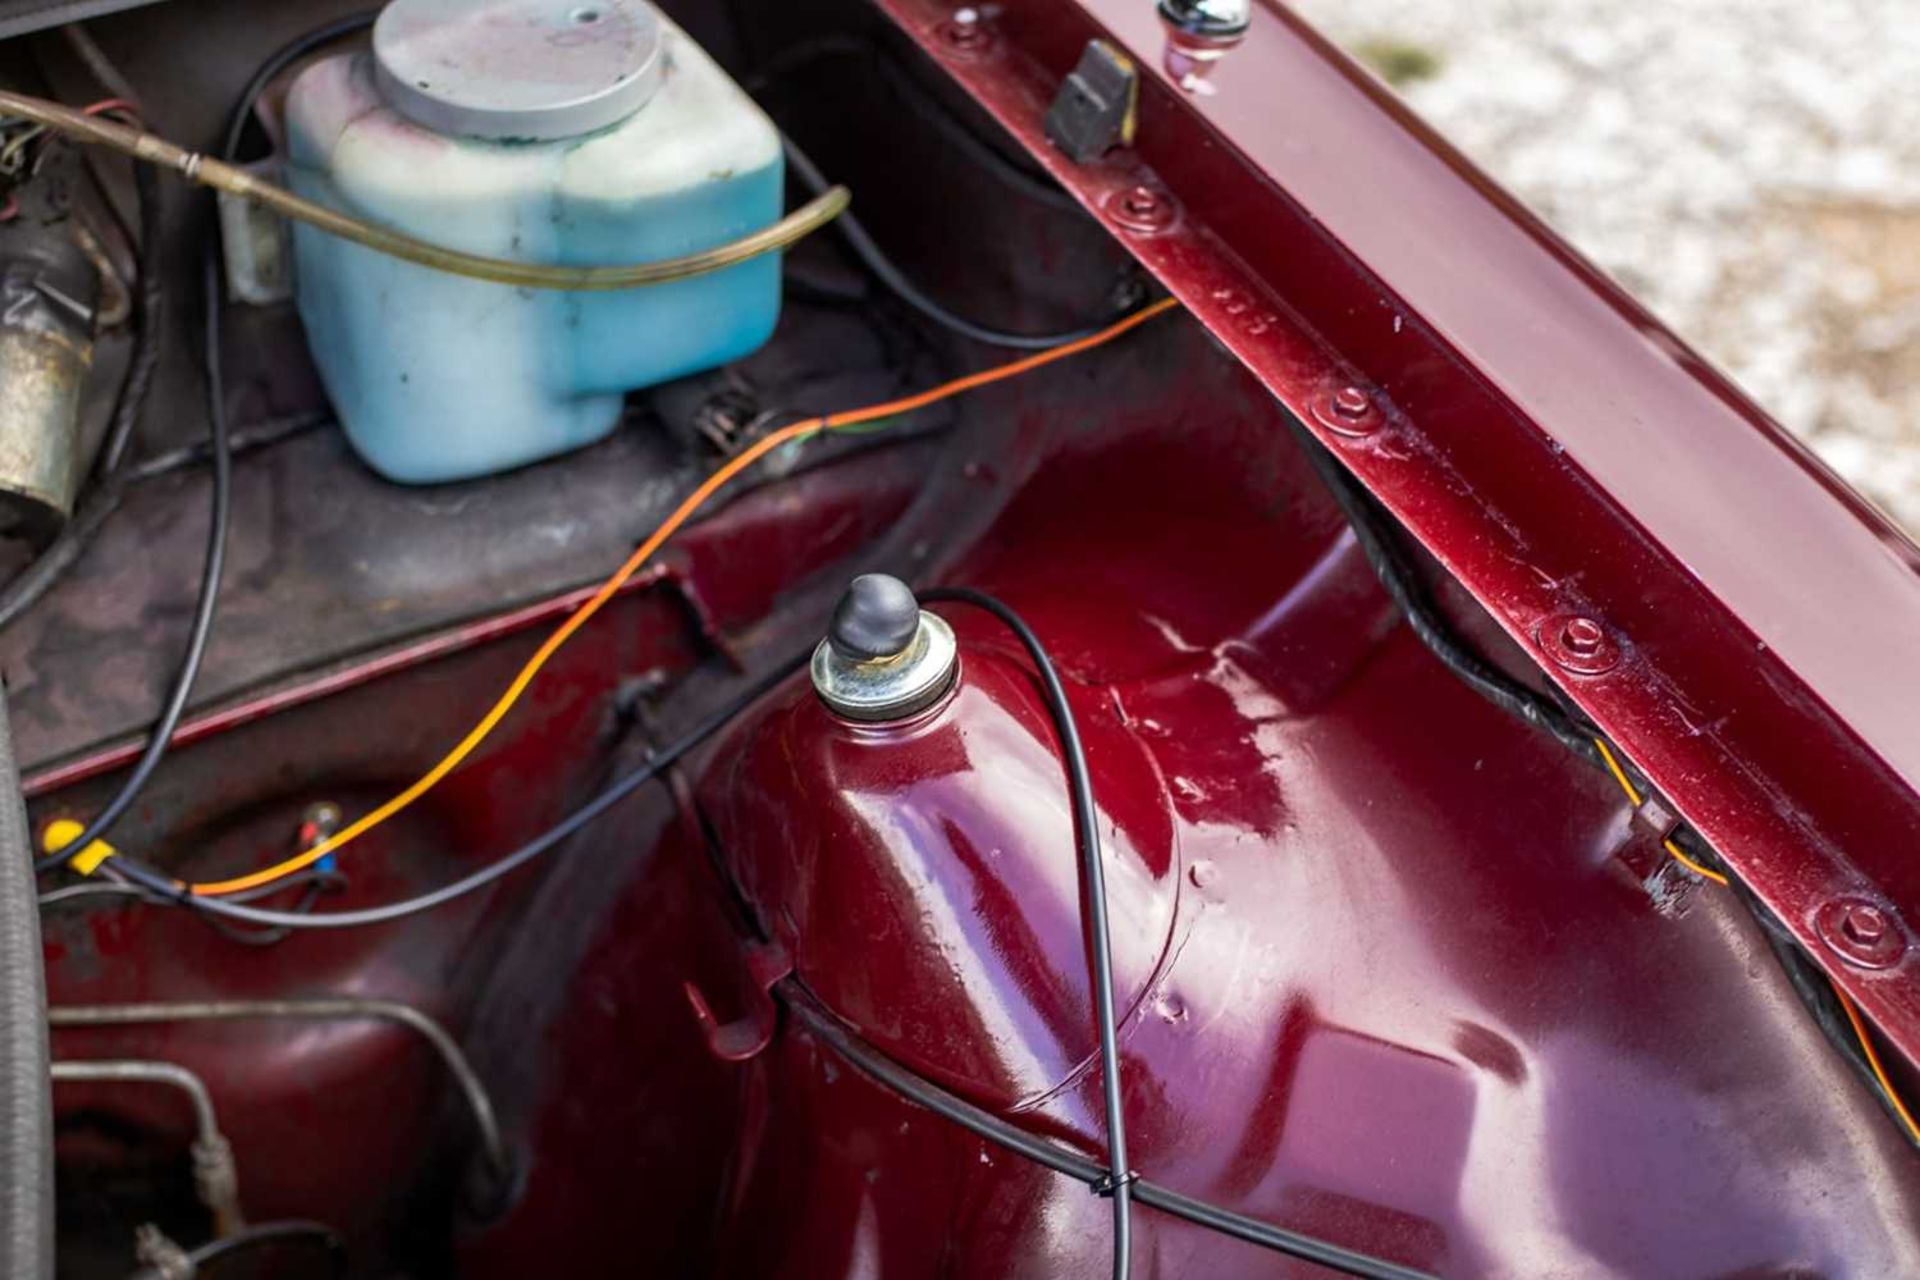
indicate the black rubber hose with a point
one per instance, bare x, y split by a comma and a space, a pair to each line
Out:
278, 61
1118, 1184
26, 1099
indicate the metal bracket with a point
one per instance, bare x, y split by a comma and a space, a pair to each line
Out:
1643, 851
748, 1035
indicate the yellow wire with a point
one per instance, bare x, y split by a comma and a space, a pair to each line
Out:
1619, 774
1636, 800
1853, 1014
667, 528
1705, 873
1873, 1061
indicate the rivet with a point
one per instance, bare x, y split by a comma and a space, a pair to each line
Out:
1578, 644
1583, 636
1347, 410
964, 30
1141, 208
1864, 925
1861, 932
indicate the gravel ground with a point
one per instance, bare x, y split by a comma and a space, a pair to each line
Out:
1749, 169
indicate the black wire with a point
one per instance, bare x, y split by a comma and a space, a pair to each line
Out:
1086, 822
1035, 184
278, 61
264, 1233
875, 259
158, 889
1379, 542
242, 935
87, 891
1815, 991
240, 442
869, 1061
204, 607
208, 602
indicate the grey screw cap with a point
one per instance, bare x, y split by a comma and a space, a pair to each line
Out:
518, 70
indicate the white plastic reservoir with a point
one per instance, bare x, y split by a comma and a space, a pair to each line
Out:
575, 132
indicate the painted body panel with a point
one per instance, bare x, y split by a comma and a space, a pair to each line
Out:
1398, 972
1415, 998
1546, 439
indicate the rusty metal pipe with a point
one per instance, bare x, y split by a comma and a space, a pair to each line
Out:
215, 1175
323, 1009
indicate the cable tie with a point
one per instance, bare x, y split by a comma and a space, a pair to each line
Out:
1106, 1184
64, 831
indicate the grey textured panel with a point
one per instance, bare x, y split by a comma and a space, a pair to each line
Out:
17, 17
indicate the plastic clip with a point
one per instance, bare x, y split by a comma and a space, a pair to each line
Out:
63, 832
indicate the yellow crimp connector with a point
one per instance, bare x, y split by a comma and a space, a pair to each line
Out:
62, 832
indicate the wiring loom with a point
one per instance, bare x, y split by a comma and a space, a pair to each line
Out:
154, 882
1116, 1179
1832, 1011
225, 899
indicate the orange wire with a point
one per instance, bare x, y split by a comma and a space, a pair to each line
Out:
667, 528
1853, 1014
1704, 872
1873, 1061
1619, 774
1634, 799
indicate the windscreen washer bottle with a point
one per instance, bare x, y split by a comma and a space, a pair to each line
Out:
571, 132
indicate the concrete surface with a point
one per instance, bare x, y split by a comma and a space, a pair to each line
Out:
1749, 169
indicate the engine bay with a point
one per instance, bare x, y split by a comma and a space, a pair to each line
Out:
1018, 803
